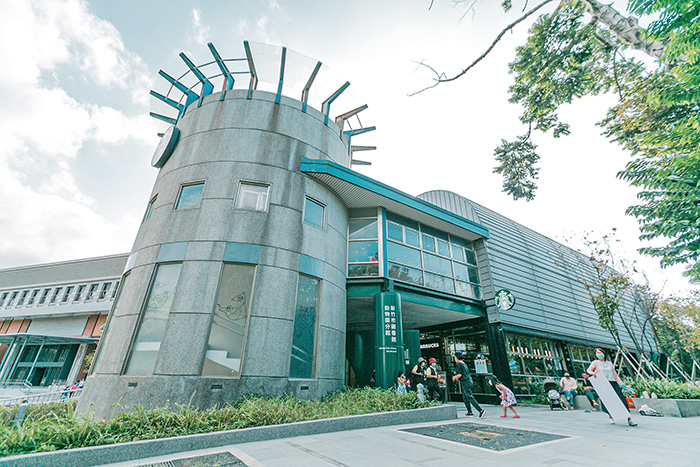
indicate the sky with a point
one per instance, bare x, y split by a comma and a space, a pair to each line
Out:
76, 140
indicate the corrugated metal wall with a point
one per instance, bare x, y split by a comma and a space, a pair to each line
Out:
543, 275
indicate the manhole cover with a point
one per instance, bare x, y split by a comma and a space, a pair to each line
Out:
220, 459
495, 438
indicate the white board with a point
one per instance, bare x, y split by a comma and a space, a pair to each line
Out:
609, 397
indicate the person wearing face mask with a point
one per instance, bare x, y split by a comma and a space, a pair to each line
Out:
569, 387
431, 378
605, 369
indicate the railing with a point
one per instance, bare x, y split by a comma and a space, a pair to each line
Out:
45, 398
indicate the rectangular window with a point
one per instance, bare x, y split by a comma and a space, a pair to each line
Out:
428, 243
22, 298
361, 229
395, 232
32, 297
190, 196
106, 326
79, 293
91, 291
471, 257
406, 274
230, 321
56, 291
252, 196
105, 289
433, 281
114, 291
154, 318
303, 361
44, 294
67, 294
403, 254
412, 237
443, 248
314, 212
4, 297
149, 208
437, 264
12, 299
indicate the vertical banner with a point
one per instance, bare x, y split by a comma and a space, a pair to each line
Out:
389, 339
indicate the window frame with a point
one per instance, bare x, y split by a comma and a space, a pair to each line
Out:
149, 208
313, 200
241, 183
179, 195
317, 328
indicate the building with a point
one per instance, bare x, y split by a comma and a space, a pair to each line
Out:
265, 264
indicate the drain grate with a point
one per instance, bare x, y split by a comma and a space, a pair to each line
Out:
220, 459
495, 438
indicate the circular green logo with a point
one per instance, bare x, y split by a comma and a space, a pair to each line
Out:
505, 299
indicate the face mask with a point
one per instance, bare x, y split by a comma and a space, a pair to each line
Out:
433, 365
600, 356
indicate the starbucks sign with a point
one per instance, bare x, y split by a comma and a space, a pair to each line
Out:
505, 300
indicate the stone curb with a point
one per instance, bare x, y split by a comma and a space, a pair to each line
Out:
112, 453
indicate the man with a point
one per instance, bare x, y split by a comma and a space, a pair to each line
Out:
569, 385
590, 391
418, 378
466, 383
432, 381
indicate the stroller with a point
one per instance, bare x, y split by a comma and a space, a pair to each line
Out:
551, 388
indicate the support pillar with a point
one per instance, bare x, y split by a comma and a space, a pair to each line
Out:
389, 351
498, 353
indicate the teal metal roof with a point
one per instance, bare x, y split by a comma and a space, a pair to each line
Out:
359, 191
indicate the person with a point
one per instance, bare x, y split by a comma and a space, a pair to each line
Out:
432, 381
418, 374
401, 383
506, 395
590, 391
465, 382
604, 368
569, 386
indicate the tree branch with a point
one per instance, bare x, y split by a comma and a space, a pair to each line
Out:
441, 78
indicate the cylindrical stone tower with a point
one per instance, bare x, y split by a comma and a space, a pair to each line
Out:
236, 280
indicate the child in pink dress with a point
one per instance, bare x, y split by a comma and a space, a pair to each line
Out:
507, 397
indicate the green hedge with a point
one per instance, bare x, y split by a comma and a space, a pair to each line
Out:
664, 389
51, 427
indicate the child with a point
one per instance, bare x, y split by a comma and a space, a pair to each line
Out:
507, 396
401, 383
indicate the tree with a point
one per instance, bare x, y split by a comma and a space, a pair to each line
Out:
677, 327
583, 47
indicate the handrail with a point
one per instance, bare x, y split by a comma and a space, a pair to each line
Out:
47, 397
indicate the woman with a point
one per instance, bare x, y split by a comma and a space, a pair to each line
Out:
606, 370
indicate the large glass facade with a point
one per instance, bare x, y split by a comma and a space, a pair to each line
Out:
423, 256
229, 324
303, 361
363, 248
44, 369
531, 360
154, 318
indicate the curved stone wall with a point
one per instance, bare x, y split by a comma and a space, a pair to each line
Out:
221, 143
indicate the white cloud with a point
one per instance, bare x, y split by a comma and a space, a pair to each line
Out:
45, 213
199, 33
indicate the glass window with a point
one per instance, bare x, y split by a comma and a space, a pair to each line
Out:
314, 212
471, 257
154, 318
363, 270
461, 271
403, 254
457, 253
12, 299
114, 291
412, 238
79, 293
91, 291
473, 275
44, 294
4, 297
406, 274
32, 297
464, 289
228, 328
67, 294
395, 232
363, 252
22, 298
428, 243
190, 196
105, 289
446, 284
56, 291
302, 364
437, 264
443, 248
106, 326
361, 229
252, 196
149, 208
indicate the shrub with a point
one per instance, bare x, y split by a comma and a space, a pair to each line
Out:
52, 427
663, 389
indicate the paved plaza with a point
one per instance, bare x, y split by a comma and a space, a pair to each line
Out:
540, 437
